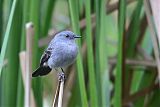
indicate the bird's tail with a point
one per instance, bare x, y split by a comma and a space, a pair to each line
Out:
41, 71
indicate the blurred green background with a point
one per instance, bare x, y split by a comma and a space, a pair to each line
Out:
116, 65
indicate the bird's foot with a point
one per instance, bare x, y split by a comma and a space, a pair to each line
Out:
61, 76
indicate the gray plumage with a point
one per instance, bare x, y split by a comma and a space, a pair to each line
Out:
61, 52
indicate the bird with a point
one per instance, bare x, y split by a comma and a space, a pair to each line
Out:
61, 52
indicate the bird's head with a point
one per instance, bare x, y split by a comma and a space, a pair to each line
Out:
66, 36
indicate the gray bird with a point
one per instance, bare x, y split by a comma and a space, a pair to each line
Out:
61, 52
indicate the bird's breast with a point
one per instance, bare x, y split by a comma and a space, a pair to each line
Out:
71, 50
64, 54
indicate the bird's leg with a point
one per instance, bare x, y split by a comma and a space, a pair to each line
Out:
61, 76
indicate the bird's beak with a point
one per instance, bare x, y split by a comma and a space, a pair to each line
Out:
77, 36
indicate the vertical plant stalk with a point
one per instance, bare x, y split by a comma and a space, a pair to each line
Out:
92, 81
48, 16
133, 35
7, 33
103, 55
29, 42
1, 22
34, 16
120, 63
97, 52
156, 15
22, 56
56, 95
75, 26
25, 5
153, 37
60, 94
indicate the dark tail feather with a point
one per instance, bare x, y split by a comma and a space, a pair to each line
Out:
41, 71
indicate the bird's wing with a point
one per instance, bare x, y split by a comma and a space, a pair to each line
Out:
46, 55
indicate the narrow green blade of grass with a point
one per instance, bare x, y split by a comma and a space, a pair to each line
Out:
105, 84
10, 73
6, 13
48, 13
81, 3
6, 36
20, 88
132, 34
97, 42
48, 16
91, 71
120, 63
148, 77
1, 22
34, 17
138, 74
75, 26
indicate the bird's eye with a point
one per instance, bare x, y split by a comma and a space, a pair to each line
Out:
67, 36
